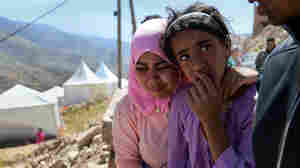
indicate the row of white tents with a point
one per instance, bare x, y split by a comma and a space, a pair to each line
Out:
36, 109
85, 84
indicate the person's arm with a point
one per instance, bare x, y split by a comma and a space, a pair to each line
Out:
125, 137
177, 146
237, 60
42, 136
240, 153
258, 60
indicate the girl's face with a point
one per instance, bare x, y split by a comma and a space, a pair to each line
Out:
156, 75
200, 52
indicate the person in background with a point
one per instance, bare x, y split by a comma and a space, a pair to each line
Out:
39, 136
261, 57
236, 54
140, 129
210, 122
275, 137
231, 62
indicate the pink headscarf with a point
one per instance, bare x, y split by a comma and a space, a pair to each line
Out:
146, 39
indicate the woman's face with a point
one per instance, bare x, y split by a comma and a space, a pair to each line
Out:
156, 75
199, 52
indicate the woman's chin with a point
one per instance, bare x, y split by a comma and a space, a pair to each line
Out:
160, 94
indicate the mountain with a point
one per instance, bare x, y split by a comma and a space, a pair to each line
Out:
239, 39
51, 53
258, 42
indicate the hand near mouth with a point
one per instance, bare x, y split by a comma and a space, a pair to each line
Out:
206, 101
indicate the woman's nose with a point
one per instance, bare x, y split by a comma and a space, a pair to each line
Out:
153, 73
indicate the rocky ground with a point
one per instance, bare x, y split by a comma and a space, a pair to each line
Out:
88, 149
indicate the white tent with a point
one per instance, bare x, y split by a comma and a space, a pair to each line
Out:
109, 78
105, 74
54, 95
26, 106
83, 86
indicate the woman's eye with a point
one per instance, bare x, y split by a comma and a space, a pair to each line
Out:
141, 69
162, 67
184, 57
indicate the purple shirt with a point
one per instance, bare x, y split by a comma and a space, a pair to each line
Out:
187, 147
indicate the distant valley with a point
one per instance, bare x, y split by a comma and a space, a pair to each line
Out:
42, 56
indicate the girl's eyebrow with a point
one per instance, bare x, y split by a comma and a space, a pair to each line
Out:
182, 51
198, 43
203, 42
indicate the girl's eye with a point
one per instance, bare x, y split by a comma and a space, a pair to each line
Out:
184, 57
204, 48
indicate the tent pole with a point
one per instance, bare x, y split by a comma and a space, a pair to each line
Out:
133, 20
119, 46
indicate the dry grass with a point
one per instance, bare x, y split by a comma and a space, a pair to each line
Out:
9, 155
76, 121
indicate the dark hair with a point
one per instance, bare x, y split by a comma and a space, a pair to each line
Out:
270, 39
149, 17
213, 24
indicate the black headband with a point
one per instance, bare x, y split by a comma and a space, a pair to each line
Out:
196, 20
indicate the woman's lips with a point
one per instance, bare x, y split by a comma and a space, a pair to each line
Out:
155, 86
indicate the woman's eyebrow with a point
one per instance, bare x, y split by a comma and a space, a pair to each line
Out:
161, 62
140, 63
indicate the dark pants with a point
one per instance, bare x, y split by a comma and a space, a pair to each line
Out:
258, 82
257, 85
144, 165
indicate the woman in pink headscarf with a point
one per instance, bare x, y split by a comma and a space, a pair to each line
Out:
140, 131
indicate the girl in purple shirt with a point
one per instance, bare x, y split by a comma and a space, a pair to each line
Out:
210, 121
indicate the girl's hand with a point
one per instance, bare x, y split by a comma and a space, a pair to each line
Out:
206, 100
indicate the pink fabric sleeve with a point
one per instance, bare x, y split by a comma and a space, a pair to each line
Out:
125, 137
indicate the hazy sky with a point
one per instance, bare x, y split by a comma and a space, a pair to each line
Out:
95, 17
